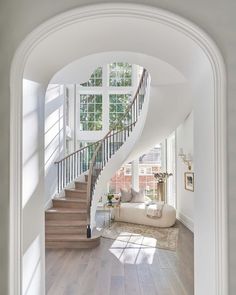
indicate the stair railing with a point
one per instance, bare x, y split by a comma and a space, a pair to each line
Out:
114, 139
73, 165
78, 162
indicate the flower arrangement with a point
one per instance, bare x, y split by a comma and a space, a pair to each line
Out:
109, 198
162, 176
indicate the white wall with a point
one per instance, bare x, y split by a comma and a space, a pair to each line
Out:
32, 189
185, 198
26, 16
53, 138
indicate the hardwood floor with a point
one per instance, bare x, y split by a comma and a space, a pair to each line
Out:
118, 268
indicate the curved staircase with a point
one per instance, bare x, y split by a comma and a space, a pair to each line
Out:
68, 222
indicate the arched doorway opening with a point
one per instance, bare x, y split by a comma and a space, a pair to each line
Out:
51, 46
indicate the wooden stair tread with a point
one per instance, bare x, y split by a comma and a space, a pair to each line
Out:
68, 199
66, 223
76, 190
65, 237
65, 210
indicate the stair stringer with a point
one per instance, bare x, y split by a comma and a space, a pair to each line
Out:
119, 158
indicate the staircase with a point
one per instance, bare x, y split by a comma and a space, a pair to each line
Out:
66, 221
70, 216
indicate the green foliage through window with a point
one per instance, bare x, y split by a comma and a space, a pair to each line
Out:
120, 74
90, 112
95, 79
118, 106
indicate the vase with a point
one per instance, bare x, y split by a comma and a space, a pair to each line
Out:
88, 231
161, 191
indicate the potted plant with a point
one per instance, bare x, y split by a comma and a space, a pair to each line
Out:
109, 198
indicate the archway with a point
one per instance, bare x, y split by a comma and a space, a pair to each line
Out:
40, 56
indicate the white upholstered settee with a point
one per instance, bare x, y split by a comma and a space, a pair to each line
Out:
136, 213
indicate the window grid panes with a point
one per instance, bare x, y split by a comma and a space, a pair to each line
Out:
118, 106
120, 74
149, 164
120, 180
90, 112
95, 79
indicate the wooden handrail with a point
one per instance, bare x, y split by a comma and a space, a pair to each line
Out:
79, 150
78, 162
130, 105
112, 133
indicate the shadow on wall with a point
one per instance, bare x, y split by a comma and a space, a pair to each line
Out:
32, 192
42, 145
53, 137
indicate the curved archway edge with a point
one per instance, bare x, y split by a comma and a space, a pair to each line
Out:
219, 77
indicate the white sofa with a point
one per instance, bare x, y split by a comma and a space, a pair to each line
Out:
136, 213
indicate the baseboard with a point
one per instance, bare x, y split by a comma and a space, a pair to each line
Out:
188, 222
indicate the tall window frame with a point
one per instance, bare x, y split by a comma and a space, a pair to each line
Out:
103, 89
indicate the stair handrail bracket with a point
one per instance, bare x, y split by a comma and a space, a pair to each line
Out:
114, 139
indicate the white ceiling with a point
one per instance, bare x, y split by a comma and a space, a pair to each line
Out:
174, 61
80, 70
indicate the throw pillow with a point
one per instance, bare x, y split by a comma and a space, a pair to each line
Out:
125, 196
137, 197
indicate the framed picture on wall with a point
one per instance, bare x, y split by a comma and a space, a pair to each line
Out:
189, 181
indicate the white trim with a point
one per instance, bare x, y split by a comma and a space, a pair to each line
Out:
142, 12
188, 222
48, 204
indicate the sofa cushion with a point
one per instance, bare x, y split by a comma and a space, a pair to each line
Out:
137, 197
126, 196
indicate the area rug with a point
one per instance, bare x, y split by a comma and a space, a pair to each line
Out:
143, 235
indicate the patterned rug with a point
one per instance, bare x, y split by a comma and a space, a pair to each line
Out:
143, 235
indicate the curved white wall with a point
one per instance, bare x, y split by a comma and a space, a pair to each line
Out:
60, 47
120, 156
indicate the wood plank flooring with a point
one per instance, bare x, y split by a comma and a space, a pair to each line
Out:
118, 268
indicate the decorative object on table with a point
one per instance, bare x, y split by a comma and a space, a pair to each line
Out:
109, 207
117, 197
189, 181
186, 158
109, 198
161, 178
143, 235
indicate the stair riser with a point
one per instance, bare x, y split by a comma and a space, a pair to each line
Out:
50, 230
81, 185
65, 216
65, 204
76, 194
72, 244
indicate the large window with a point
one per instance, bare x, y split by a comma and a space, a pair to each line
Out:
171, 168
149, 164
118, 106
90, 112
95, 79
121, 180
120, 74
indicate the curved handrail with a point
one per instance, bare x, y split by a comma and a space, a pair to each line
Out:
114, 139
76, 163
77, 151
